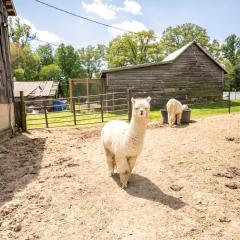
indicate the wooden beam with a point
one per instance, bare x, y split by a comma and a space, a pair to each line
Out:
70, 92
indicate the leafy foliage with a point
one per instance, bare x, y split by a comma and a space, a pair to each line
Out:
50, 72
133, 48
176, 37
231, 53
67, 59
23, 58
66, 62
231, 49
92, 59
45, 53
20, 32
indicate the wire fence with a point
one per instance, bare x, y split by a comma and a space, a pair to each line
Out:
82, 110
93, 110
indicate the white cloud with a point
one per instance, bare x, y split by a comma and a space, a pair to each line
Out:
132, 25
109, 11
103, 10
132, 7
41, 34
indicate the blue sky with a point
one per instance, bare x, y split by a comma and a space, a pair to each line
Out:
220, 17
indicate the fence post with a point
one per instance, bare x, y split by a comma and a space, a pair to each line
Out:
101, 102
113, 101
74, 111
23, 112
45, 113
129, 97
229, 100
70, 83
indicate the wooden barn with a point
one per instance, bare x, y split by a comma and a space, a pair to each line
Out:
7, 121
189, 74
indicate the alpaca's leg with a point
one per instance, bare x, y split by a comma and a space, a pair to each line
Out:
171, 119
123, 169
110, 161
179, 117
132, 162
124, 176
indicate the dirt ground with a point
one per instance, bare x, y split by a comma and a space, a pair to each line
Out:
54, 185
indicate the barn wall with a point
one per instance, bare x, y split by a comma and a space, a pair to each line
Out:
6, 86
6, 116
193, 77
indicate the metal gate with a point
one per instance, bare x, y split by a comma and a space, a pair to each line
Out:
68, 112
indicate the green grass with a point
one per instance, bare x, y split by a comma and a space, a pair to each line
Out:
66, 118
60, 119
215, 108
202, 110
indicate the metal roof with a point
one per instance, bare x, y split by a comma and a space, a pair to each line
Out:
36, 88
10, 7
169, 59
174, 55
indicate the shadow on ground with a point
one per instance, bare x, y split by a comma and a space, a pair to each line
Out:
20, 162
142, 187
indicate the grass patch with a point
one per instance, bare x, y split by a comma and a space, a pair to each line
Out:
66, 118
214, 108
86, 119
201, 110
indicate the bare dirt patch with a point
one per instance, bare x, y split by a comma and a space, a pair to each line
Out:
54, 184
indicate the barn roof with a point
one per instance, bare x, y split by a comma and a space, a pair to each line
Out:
10, 7
36, 89
168, 60
174, 55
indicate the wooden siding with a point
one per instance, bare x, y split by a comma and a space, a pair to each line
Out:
192, 77
6, 86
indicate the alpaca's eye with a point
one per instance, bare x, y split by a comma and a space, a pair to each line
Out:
136, 108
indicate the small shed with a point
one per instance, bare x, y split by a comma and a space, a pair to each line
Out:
7, 121
38, 90
189, 74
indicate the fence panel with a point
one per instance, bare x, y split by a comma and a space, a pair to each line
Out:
84, 110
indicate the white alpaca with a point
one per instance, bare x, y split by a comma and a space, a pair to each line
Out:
123, 142
175, 109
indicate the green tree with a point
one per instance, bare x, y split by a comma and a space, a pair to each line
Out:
134, 48
24, 58
231, 49
50, 72
67, 59
92, 59
229, 77
19, 32
232, 78
236, 83
174, 38
215, 49
45, 53
231, 54
18, 74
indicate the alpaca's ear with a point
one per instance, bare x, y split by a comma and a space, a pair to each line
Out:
149, 99
133, 100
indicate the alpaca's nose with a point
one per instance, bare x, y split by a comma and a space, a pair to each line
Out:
141, 112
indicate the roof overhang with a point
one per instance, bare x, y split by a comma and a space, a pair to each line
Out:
103, 73
10, 7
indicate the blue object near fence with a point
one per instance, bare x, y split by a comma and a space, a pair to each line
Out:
59, 106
